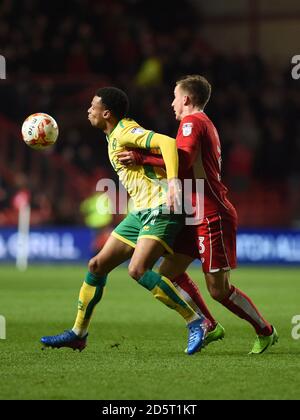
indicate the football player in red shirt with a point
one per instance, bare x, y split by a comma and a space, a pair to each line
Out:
213, 238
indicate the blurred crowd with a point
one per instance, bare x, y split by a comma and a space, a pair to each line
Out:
59, 53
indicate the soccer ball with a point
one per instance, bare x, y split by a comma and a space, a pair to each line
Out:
39, 131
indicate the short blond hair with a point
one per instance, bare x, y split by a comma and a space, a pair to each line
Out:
197, 87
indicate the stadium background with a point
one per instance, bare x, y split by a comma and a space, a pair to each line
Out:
244, 49
58, 53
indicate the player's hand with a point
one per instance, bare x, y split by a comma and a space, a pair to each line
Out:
174, 196
130, 158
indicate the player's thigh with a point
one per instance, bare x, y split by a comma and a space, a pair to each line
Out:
114, 253
174, 265
145, 255
156, 238
216, 241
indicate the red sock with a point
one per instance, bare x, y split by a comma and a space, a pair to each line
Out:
242, 306
192, 295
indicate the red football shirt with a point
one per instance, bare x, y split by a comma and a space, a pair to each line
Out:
199, 151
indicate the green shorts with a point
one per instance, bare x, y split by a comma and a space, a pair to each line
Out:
150, 223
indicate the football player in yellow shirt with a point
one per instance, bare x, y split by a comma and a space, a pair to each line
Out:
146, 233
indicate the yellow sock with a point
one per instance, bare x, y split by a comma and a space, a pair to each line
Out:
89, 296
163, 290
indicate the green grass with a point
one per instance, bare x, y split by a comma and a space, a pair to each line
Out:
135, 348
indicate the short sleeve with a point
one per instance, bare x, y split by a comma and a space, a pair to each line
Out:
136, 137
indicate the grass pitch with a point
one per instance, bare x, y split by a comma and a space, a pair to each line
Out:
135, 348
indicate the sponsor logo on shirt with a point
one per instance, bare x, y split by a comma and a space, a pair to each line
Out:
187, 129
137, 130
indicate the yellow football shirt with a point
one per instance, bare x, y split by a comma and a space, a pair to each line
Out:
146, 185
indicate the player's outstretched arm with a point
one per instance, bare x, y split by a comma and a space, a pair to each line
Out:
144, 157
168, 148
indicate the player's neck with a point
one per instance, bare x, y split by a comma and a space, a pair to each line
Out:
191, 110
110, 126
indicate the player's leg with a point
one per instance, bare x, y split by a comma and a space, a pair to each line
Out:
187, 248
146, 253
241, 305
112, 254
220, 255
174, 267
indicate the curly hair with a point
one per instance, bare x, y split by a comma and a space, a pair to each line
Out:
115, 100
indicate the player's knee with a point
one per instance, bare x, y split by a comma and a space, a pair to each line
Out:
94, 266
136, 271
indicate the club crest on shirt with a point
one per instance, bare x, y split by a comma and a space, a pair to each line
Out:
137, 130
187, 129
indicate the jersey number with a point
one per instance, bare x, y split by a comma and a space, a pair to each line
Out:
201, 244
